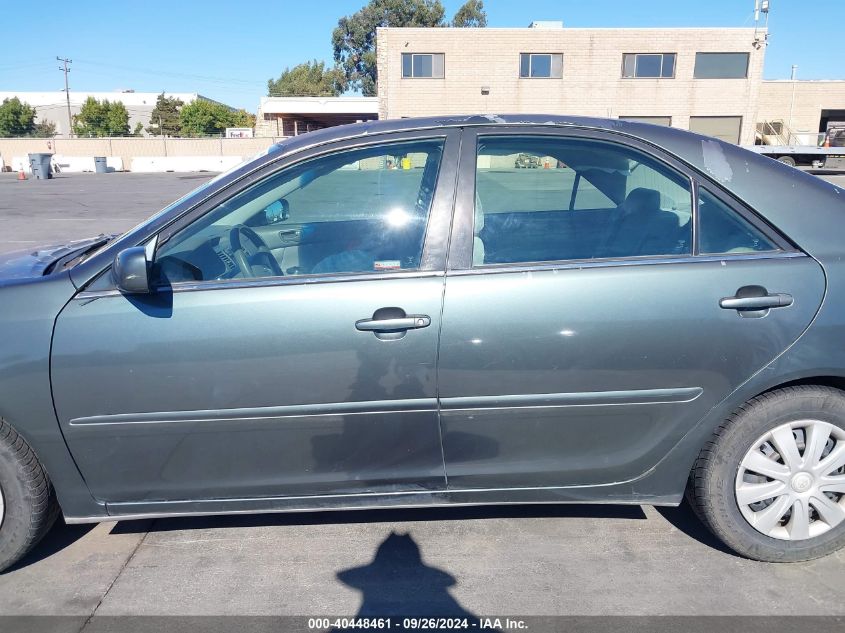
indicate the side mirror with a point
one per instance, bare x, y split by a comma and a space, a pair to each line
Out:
131, 271
277, 211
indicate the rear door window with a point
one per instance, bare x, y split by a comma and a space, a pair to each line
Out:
724, 230
541, 199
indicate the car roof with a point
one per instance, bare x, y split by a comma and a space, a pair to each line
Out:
384, 126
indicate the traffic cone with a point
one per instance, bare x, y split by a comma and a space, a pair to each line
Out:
21, 175
826, 141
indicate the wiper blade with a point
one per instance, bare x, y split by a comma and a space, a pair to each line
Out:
77, 255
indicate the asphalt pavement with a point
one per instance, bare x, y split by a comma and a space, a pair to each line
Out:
539, 560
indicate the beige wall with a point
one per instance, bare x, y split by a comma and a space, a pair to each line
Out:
128, 148
811, 97
592, 82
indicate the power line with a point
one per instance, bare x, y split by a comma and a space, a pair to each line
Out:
160, 72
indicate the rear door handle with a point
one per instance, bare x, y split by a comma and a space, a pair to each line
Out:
763, 302
410, 322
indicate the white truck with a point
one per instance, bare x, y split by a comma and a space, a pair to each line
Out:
825, 150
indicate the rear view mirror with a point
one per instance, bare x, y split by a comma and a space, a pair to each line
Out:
131, 271
277, 211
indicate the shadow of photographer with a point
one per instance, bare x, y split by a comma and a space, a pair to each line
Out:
398, 584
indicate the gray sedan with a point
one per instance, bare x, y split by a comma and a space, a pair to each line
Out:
394, 313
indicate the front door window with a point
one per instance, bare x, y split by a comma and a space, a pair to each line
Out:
357, 211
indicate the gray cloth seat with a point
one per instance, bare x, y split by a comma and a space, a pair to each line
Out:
641, 227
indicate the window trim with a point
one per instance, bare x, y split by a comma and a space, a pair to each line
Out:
531, 64
412, 75
747, 64
460, 254
644, 260
661, 76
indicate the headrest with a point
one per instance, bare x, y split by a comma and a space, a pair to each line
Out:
642, 200
479, 216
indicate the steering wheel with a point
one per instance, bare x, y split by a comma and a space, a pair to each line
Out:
249, 252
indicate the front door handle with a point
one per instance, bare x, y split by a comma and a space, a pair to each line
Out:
756, 303
409, 322
755, 298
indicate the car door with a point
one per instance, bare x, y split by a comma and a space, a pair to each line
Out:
598, 306
241, 377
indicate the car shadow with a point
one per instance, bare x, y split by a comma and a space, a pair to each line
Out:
392, 515
683, 518
60, 536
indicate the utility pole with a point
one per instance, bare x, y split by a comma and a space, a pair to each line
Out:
793, 77
66, 70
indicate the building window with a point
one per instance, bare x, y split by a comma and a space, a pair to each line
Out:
544, 65
654, 120
725, 128
721, 65
648, 65
418, 65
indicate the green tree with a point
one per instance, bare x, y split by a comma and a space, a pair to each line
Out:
164, 119
16, 118
471, 14
117, 118
309, 79
354, 38
205, 118
44, 129
241, 118
101, 118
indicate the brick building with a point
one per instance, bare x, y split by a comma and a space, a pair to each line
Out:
708, 80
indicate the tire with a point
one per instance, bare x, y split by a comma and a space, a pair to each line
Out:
722, 469
29, 504
787, 160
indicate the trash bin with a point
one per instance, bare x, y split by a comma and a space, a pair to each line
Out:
40, 165
100, 166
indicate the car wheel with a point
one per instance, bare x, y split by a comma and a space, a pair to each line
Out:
787, 160
27, 503
771, 482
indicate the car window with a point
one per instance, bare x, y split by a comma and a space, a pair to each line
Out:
548, 199
723, 230
354, 211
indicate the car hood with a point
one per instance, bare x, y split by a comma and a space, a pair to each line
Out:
34, 262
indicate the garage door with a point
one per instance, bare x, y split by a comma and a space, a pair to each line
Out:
725, 128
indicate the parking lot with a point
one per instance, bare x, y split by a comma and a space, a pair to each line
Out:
539, 560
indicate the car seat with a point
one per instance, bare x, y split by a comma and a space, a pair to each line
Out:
641, 227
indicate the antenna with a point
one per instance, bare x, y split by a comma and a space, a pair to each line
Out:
761, 6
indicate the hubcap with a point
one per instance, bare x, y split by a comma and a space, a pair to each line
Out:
791, 483
2, 508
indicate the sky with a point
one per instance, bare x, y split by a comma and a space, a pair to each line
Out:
227, 52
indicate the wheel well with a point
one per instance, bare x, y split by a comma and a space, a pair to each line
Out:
837, 382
